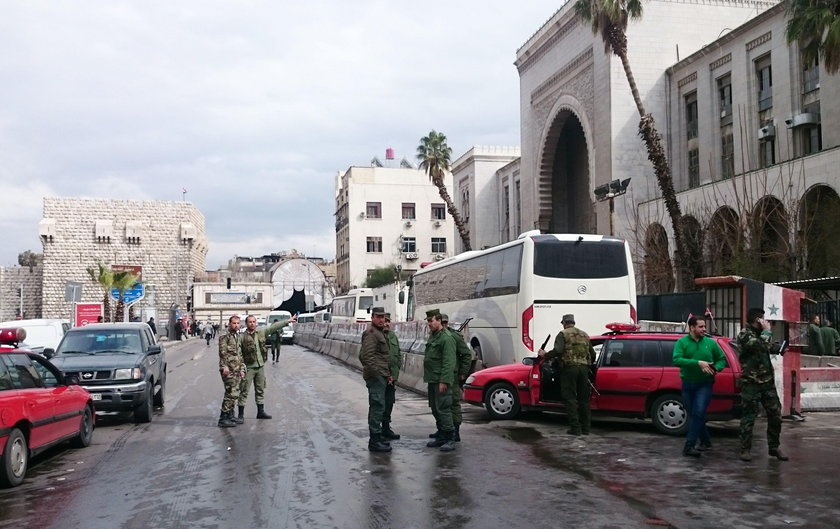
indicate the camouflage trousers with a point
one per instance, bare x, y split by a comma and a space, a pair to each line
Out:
231, 392
751, 396
257, 376
574, 386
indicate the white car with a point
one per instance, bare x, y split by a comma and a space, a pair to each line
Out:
40, 333
287, 334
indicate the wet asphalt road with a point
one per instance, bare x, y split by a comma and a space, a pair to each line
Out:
309, 467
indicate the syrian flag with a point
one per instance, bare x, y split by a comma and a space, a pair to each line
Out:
781, 303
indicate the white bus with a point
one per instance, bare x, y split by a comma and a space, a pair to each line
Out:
314, 317
517, 293
353, 307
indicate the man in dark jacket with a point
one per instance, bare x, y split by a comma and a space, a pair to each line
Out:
375, 357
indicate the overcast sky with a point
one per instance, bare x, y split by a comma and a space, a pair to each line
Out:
252, 106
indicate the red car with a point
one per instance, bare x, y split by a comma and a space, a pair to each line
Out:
634, 378
38, 408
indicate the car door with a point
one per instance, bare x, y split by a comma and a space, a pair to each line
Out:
9, 403
68, 403
629, 370
36, 401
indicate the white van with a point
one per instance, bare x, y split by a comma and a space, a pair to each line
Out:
40, 333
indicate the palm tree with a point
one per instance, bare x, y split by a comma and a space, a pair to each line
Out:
815, 24
435, 158
609, 18
103, 276
123, 281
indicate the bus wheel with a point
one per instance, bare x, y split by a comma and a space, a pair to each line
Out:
501, 401
478, 360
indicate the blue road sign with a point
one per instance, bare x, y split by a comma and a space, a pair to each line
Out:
131, 295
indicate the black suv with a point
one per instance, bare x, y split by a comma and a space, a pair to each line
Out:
120, 364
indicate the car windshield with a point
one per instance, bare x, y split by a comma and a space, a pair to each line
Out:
100, 342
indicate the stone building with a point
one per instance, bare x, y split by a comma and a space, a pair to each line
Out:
20, 286
166, 238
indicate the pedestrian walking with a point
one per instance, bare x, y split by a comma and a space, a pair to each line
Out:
699, 358
463, 364
573, 348
274, 340
758, 385
830, 337
232, 370
815, 345
207, 331
394, 364
255, 356
439, 365
375, 357
151, 324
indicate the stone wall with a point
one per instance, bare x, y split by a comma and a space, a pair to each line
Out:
13, 277
76, 233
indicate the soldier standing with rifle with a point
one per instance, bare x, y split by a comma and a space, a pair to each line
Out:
575, 350
375, 356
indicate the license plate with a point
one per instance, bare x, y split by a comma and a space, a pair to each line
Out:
96, 396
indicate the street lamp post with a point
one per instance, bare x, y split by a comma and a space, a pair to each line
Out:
609, 192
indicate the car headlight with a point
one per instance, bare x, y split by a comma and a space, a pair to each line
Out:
128, 373
470, 379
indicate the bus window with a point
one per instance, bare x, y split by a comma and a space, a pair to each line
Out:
579, 260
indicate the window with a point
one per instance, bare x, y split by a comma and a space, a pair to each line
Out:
374, 210
5, 378
764, 82
727, 156
22, 374
409, 244
691, 115
465, 203
636, 353
506, 208
766, 152
374, 245
724, 85
579, 260
810, 76
517, 226
438, 244
438, 212
693, 168
408, 211
812, 139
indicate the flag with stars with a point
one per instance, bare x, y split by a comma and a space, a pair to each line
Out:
781, 303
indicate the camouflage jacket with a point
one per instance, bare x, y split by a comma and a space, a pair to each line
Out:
375, 354
229, 355
463, 353
755, 356
573, 347
396, 355
250, 341
440, 362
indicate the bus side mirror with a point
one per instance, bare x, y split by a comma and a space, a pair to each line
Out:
401, 297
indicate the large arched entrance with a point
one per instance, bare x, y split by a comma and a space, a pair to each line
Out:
723, 246
819, 216
659, 273
565, 197
770, 246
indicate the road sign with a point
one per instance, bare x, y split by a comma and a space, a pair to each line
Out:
72, 291
136, 270
131, 295
87, 313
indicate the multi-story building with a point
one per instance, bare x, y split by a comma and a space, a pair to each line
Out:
388, 217
166, 239
482, 176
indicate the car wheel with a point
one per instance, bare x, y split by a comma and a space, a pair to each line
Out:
669, 414
85, 429
160, 396
143, 413
501, 401
15, 459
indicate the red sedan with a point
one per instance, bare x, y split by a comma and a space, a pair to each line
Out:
634, 378
38, 408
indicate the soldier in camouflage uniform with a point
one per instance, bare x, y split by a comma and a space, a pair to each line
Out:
758, 385
573, 347
439, 367
255, 355
375, 356
395, 362
463, 363
232, 370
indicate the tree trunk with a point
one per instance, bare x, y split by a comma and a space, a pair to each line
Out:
106, 307
656, 155
456, 216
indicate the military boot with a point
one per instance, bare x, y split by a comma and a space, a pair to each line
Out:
456, 435
449, 442
240, 419
261, 414
226, 420
435, 435
441, 439
778, 454
388, 433
376, 444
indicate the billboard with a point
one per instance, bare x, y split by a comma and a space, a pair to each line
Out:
86, 313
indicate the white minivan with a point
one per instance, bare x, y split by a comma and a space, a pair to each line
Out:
40, 333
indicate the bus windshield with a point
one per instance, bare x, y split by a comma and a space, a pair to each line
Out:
579, 259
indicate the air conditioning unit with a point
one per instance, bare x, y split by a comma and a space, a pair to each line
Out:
439, 257
767, 132
410, 255
437, 224
408, 224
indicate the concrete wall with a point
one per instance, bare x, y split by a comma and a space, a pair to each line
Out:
13, 277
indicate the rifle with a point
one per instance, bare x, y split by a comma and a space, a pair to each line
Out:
463, 325
547, 338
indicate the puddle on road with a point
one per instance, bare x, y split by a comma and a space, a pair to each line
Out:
522, 435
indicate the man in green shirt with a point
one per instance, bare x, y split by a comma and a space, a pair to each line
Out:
699, 359
815, 343
830, 338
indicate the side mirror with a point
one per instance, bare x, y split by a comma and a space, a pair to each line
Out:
401, 297
529, 360
72, 380
49, 352
154, 350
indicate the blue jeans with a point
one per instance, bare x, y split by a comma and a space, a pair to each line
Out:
696, 397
